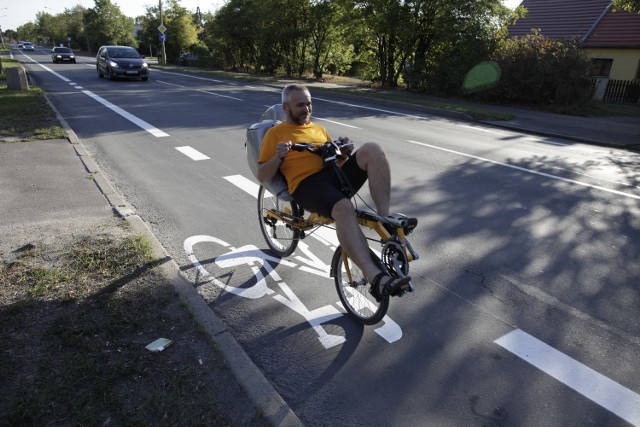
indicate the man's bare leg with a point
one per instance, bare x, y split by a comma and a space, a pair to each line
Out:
352, 239
372, 159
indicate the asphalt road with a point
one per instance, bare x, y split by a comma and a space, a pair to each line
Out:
526, 310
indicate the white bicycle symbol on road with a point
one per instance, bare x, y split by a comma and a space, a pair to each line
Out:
261, 265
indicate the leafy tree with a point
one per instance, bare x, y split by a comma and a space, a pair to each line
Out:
328, 24
105, 24
433, 42
628, 5
182, 33
230, 33
28, 31
56, 29
391, 35
75, 28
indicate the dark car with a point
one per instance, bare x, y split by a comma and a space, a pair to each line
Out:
62, 54
188, 59
121, 62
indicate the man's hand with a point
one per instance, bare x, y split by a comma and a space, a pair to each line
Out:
282, 149
347, 149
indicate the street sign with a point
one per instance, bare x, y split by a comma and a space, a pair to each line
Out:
163, 37
162, 28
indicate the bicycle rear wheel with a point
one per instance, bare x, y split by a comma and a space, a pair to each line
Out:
353, 289
279, 236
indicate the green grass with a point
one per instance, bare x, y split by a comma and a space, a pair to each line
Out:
74, 322
25, 115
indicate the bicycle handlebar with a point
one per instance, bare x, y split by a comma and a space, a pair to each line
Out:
330, 150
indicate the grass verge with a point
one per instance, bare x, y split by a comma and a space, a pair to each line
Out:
25, 115
75, 317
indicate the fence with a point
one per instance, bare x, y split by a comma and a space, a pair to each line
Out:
620, 91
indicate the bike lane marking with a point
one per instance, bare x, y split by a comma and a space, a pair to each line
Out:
589, 383
261, 267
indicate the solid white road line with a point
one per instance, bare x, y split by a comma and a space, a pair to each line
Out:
133, 119
546, 175
589, 383
244, 184
192, 153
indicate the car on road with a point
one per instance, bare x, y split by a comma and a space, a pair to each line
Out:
28, 46
121, 62
62, 54
188, 59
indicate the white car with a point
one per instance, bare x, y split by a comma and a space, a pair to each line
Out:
27, 46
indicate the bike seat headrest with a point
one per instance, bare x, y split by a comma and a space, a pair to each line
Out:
275, 112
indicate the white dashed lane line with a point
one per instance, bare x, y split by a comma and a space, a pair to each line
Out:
589, 383
192, 153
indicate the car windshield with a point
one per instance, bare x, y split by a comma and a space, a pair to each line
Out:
124, 53
62, 50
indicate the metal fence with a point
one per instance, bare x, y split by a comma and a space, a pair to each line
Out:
621, 91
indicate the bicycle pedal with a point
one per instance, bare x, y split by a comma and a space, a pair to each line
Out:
402, 292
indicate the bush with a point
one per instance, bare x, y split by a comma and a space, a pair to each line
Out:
539, 71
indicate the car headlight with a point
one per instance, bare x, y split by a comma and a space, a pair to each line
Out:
145, 65
113, 64
72, 56
58, 56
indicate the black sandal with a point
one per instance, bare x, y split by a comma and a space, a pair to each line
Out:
392, 287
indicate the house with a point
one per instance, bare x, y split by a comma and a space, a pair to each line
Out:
610, 38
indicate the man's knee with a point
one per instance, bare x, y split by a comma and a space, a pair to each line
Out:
371, 148
342, 208
370, 153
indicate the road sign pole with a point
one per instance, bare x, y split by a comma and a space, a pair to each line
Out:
162, 28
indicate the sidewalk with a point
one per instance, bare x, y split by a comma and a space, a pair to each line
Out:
43, 186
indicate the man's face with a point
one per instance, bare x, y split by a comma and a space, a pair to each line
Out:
299, 107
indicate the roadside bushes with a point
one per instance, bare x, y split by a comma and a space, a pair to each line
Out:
539, 71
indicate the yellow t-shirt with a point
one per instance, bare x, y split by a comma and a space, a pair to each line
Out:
297, 165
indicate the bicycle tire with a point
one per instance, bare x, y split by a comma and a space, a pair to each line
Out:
353, 289
280, 238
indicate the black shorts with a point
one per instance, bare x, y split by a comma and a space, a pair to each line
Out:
322, 190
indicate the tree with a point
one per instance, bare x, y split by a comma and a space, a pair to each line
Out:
105, 24
433, 42
28, 31
182, 33
328, 26
628, 5
75, 27
232, 33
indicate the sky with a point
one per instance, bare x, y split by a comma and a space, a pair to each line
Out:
14, 13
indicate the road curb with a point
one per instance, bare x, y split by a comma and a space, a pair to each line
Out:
265, 398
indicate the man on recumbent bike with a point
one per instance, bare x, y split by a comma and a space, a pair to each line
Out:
318, 189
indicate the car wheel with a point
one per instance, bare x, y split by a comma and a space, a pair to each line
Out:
100, 75
144, 79
74, 61
110, 74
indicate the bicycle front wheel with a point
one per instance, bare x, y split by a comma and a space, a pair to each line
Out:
353, 289
280, 237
